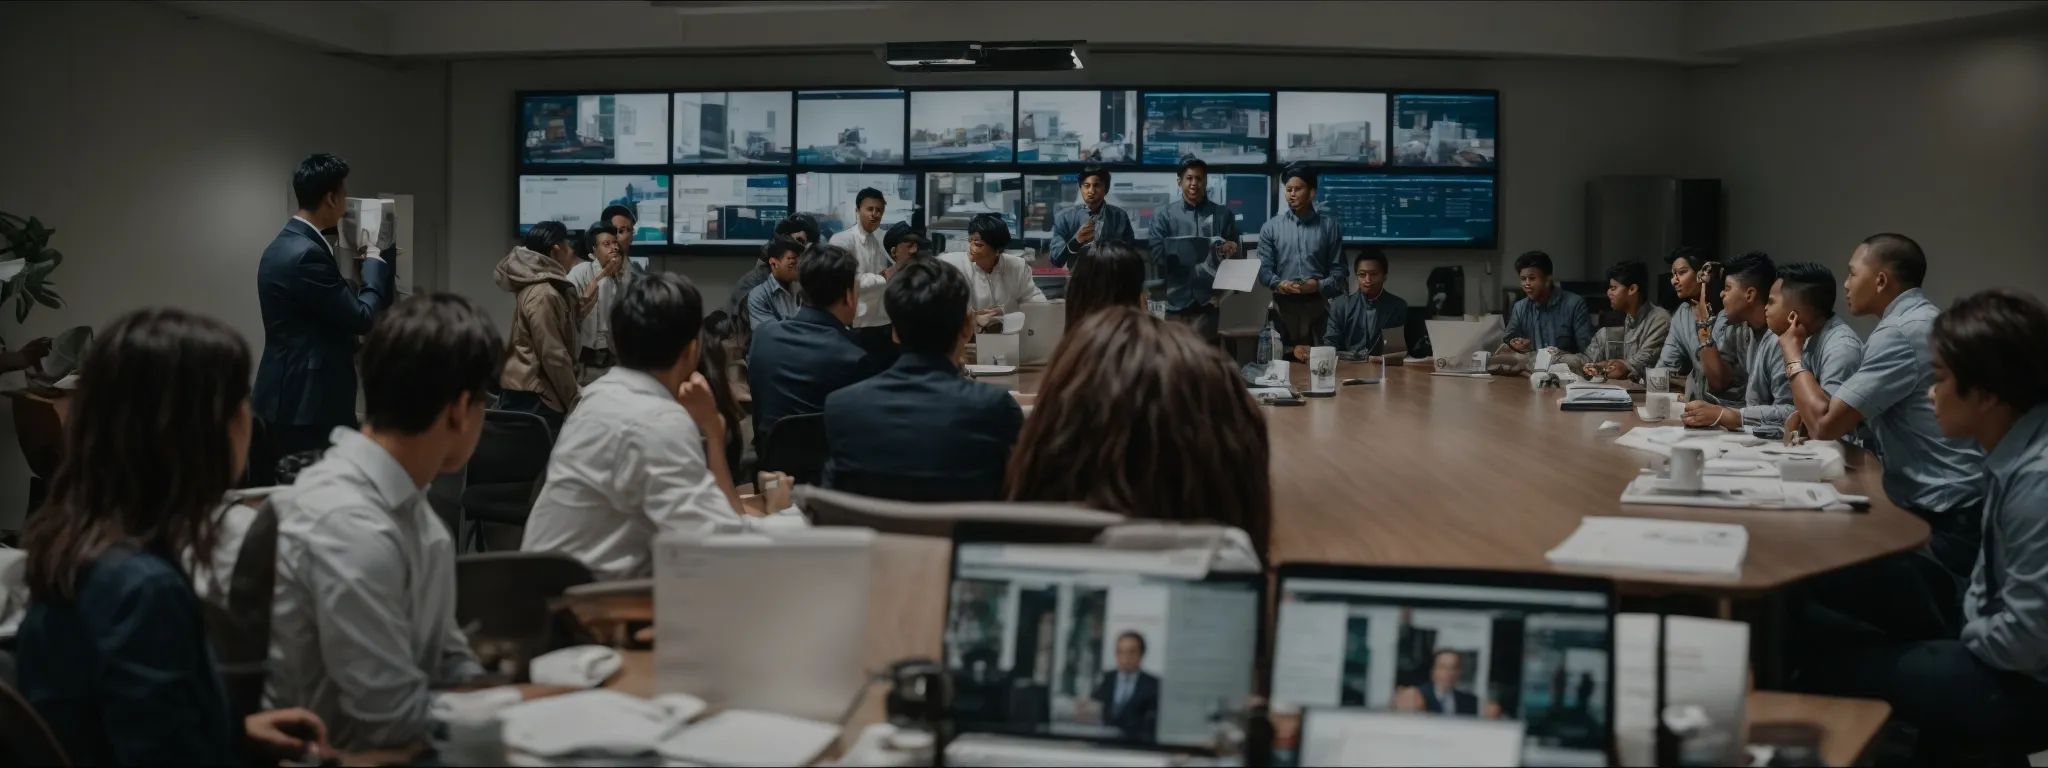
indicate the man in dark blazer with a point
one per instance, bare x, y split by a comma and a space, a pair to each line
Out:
306, 382
1443, 681
792, 365
1129, 696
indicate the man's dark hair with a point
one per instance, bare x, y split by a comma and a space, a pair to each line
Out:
1298, 171
1134, 636
1812, 283
867, 192
1630, 273
799, 222
927, 301
655, 319
898, 233
1537, 259
1191, 164
317, 177
1992, 341
1370, 254
590, 236
1753, 270
1097, 171
424, 355
1899, 255
1694, 255
994, 233
826, 273
541, 238
617, 210
779, 246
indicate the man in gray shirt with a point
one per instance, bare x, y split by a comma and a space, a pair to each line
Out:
1644, 327
363, 627
1546, 318
1359, 321
775, 299
1189, 237
1990, 685
1695, 324
1301, 258
1806, 291
1726, 353
1077, 229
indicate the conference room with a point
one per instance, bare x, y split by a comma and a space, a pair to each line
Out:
1136, 383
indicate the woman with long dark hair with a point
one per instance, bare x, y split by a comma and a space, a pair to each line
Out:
1109, 275
114, 653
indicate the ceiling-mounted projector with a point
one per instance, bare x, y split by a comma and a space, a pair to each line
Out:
1028, 56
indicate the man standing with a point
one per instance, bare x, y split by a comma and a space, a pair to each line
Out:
624, 223
1188, 239
1359, 321
1301, 258
597, 281
306, 383
1644, 325
864, 241
1128, 696
1077, 229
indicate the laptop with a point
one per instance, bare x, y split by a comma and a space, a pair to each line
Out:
1454, 341
1534, 648
1044, 325
1079, 647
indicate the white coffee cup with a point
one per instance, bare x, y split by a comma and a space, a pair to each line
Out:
1656, 380
1479, 360
1322, 369
1277, 370
1688, 468
1802, 469
1656, 407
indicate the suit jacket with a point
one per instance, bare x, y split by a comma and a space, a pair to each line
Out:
919, 420
795, 363
311, 318
1139, 719
1464, 703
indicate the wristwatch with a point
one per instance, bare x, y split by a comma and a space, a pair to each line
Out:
1793, 369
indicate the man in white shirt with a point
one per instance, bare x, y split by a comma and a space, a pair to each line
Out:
998, 283
631, 460
363, 626
597, 283
864, 241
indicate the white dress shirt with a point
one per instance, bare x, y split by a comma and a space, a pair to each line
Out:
867, 249
364, 620
1007, 287
629, 465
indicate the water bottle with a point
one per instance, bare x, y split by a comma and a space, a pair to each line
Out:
1266, 346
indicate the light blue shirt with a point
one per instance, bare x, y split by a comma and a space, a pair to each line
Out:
1681, 354
770, 302
1182, 250
1115, 228
1832, 355
1922, 469
1126, 685
1296, 248
2005, 612
1560, 321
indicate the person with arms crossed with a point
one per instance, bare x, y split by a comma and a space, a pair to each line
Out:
114, 651
1990, 387
1301, 258
794, 364
1127, 698
1359, 321
540, 375
1805, 293
801, 227
1078, 229
864, 241
306, 382
1691, 278
775, 300
1545, 318
1189, 237
597, 281
1643, 330
920, 423
998, 283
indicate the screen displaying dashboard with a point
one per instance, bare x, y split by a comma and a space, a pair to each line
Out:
849, 127
622, 129
1217, 128
1410, 208
742, 128
729, 209
576, 201
829, 197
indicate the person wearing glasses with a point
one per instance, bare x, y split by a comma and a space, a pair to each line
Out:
1359, 321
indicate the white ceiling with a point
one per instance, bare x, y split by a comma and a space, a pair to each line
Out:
1676, 31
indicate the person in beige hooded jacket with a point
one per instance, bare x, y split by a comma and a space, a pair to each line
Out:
540, 371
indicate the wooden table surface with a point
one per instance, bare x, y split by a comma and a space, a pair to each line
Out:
1438, 471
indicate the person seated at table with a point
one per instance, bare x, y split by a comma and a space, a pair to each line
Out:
919, 421
1108, 274
631, 462
1546, 317
794, 364
1698, 322
1359, 320
1000, 283
775, 299
113, 652
1644, 327
363, 626
1744, 295
1141, 417
1990, 686
1804, 295
902, 243
801, 227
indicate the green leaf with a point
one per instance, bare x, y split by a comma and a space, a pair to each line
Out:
6, 291
49, 299
52, 256
21, 308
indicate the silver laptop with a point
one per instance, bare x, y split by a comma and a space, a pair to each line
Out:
1044, 325
1454, 341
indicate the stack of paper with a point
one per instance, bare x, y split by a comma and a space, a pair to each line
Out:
600, 724
1650, 544
1706, 663
1753, 490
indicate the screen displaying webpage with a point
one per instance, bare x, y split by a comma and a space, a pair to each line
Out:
1077, 126
1333, 127
739, 128
621, 129
1039, 646
849, 127
576, 201
830, 197
1539, 656
1218, 128
718, 209
1445, 130
963, 126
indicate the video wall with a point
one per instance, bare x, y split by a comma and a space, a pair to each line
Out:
712, 171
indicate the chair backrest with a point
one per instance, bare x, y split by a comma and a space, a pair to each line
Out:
24, 738
239, 625
262, 465
514, 448
1242, 313
796, 446
503, 597
444, 494
877, 485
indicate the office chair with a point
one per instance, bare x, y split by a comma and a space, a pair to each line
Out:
261, 469
796, 446
504, 475
24, 738
238, 623
444, 494
876, 485
503, 600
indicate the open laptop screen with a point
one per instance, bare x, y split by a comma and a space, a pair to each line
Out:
1539, 650
1078, 642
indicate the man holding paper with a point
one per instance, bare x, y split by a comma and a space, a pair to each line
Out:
1301, 258
1189, 238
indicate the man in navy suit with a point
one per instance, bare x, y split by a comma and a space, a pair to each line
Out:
793, 364
1441, 695
1129, 696
306, 383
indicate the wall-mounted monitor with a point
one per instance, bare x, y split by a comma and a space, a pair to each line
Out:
849, 127
953, 199
1333, 127
1445, 130
830, 196
733, 128
1249, 196
1140, 195
604, 129
576, 201
1077, 126
1411, 208
963, 126
1217, 128
728, 209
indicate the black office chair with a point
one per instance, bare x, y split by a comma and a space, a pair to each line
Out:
261, 469
877, 485
502, 600
504, 475
24, 738
796, 446
239, 624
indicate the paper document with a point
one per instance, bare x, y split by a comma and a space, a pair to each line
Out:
1706, 664
1651, 544
1370, 738
1013, 323
1237, 274
1734, 488
739, 737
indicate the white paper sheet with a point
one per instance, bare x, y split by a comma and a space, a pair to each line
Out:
1368, 738
1237, 274
1652, 544
740, 737
1706, 664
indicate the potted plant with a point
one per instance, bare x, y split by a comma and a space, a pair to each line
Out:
26, 262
